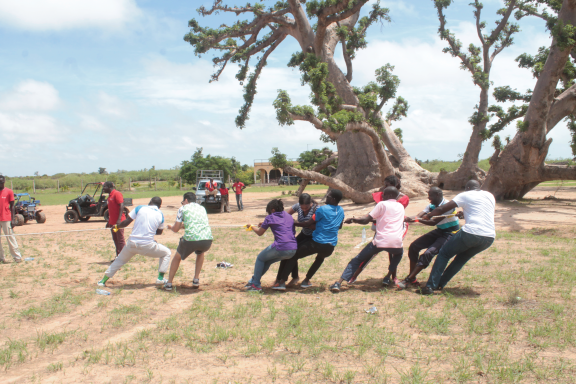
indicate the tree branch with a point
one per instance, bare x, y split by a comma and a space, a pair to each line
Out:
347, 191
563, 105
454, 43
317, 124
558, 172
347, 59
500, 26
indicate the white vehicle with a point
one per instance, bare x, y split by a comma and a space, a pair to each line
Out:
203, 177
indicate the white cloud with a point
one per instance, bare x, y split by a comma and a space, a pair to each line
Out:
112, 106
43, 15
30, 95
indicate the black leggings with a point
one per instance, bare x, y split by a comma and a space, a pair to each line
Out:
300, 239
306, 249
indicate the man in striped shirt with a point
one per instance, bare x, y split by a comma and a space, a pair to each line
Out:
433, 240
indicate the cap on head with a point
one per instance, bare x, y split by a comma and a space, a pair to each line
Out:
157, 201
472, 185
390, 193
2, 178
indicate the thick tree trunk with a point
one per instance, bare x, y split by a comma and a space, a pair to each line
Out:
357, 163
469, 169
520, 166
324, 164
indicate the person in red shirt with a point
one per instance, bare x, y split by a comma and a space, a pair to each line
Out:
239, 187
115, 214
225, 203
211, 188
6, 215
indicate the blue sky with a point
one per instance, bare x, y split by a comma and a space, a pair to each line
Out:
111, 83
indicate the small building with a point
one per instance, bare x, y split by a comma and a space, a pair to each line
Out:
268, 174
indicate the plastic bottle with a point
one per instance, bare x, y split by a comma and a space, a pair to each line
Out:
102, 292
29, 259
363, 235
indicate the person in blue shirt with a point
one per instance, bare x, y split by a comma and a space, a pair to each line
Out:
328, 220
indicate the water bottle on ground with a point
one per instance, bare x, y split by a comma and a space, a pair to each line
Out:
29, 259
363, 235
103, 292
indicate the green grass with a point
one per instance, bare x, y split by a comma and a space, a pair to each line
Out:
449, 166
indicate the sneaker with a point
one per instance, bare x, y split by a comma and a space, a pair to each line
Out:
386, 281
335, 287
306, 284
403, 284
426, 291
253, 287
195, 283
168, 286
161, 282
101, 284
396, 281
248, 285
279, 286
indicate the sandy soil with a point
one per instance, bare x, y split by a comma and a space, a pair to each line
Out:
532, 212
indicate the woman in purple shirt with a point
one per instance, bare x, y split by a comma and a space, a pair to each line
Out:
284, 246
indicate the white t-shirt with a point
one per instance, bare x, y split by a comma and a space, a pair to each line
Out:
147, 220
478, 209
389, 216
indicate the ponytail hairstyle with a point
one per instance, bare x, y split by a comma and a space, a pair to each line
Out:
277, 205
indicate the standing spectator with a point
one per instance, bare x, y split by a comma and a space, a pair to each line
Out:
115, 215
225, 201
211, 188
6, 215
239, 187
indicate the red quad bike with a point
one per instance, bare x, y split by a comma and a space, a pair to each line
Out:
86, 206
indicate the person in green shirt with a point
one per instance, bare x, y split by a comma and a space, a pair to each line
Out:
197, 237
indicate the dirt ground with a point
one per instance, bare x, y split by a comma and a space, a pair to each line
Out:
507, 317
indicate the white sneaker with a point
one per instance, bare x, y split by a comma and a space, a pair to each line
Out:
161, 282
196, 283
100, 284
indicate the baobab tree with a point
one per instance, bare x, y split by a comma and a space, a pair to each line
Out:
520, 165
351, 117
478, 60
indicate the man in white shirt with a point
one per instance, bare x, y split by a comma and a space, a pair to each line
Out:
148, 221
475, 236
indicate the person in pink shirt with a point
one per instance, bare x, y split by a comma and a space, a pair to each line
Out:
389, 217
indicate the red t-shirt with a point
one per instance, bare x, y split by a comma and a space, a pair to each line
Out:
404, 200
238, 187
223, 191
114, 201
6, 196
211, 187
